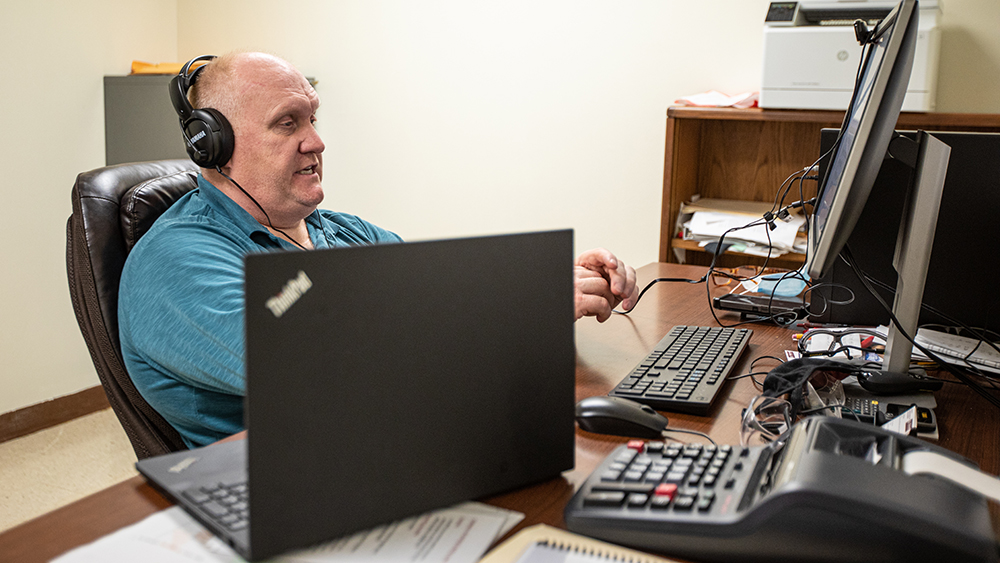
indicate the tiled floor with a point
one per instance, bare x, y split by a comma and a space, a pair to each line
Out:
56, 466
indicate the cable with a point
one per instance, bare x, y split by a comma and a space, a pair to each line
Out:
955, 322
972, 368
846, 253
704, 278
781, 318
289, 237
651, 284
776, 211
751, 376
802, 175
981, 336
778, 201
695, 432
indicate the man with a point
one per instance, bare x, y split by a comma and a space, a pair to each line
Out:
181, 294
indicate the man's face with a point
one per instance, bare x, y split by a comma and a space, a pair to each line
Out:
278, 155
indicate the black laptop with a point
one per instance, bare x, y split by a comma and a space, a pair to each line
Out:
385, 381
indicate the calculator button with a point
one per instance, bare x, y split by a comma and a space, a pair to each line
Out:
637, 500
665, 490
684, 502
604, 499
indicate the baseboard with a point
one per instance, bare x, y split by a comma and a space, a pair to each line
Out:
50, 413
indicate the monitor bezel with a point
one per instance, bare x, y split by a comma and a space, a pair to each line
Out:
865, 134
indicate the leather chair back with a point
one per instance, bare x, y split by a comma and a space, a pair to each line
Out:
112, 208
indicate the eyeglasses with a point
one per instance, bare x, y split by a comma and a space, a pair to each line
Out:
765, 420
849, 343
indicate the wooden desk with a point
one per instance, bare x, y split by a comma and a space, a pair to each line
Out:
605, 353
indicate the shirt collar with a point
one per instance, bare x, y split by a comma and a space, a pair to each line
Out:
250, 226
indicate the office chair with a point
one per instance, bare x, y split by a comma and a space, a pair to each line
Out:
112, 208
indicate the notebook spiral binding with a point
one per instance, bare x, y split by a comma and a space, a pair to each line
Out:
596, 553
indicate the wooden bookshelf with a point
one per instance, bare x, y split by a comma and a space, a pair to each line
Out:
746, 154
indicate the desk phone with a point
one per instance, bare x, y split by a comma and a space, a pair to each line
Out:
833, 491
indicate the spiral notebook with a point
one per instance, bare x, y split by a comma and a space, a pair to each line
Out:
545, 544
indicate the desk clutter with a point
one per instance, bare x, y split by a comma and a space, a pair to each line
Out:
704, 220
860, 483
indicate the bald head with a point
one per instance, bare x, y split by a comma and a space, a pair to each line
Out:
275, 172
229, 82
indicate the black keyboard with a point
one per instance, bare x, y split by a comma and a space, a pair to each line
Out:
226, 504
686, 370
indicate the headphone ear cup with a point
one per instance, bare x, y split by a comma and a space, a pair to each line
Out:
211, 139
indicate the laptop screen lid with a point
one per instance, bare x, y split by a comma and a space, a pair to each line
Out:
384, 381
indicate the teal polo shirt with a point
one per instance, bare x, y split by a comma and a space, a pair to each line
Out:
180, 306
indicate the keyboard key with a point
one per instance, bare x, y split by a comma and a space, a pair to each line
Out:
239, 525
197, 496
214, 509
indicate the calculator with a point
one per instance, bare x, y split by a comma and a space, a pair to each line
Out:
833, 491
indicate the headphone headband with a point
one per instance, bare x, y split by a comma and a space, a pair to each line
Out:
208, 136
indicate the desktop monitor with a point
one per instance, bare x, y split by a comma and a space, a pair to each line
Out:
864, 136
958, 286
857, 158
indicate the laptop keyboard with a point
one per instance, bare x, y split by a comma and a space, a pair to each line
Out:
686, 370
224, 503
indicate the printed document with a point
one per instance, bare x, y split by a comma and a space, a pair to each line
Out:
460, 534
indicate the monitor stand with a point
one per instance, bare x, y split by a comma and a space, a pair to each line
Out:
928, 156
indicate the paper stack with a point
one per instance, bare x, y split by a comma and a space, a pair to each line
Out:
706, 220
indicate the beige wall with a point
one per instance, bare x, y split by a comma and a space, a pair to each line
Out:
442, 118
55, 55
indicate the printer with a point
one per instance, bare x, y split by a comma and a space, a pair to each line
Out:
811, 55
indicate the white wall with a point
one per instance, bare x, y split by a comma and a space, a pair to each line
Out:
55, 55
452, 118
449, 117
441, 118
969, 74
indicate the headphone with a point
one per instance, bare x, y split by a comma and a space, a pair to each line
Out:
208, 136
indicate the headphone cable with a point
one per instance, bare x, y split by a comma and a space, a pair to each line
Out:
266, 216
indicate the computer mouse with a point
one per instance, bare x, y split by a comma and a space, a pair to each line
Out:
619, 417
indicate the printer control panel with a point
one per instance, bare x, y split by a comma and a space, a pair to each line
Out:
781, 12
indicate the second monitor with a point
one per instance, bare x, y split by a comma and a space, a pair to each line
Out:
960, 273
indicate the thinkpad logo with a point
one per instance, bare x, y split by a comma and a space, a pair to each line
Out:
291, 293
184, 464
